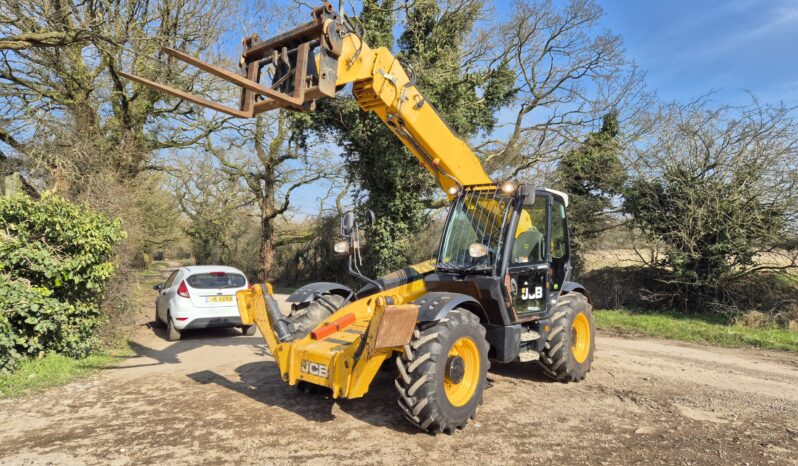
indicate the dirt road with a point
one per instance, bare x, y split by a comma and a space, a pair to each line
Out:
216, 398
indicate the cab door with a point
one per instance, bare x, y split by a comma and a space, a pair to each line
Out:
559, 245
528, 272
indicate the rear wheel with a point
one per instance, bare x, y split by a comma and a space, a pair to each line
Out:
172, 333
248, 330
442, 372
156, 321
570, 344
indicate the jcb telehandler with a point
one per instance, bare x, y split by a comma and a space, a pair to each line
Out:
498, 290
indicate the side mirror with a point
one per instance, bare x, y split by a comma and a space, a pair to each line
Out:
528, 193
347, 224
158, 287
477, 250
371, 219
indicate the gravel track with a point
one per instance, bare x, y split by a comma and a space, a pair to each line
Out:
216, 397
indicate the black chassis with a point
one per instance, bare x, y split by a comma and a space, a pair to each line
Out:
486, 296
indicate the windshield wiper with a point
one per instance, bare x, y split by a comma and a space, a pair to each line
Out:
477, 268
446, 267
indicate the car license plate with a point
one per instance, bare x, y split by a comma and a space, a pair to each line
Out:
220, 299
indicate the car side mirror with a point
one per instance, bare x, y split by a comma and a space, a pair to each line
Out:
158, 287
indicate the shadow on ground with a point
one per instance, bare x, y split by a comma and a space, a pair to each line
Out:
191, 340
261, 381
530, 371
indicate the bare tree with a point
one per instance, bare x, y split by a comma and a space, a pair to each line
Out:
264, 157
61, 90
218, 211
569, 75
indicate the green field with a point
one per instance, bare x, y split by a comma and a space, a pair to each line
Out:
706, 330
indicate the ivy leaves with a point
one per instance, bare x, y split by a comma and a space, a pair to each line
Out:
58, 245
55, 261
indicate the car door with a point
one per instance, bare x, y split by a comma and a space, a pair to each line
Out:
162, 301
528, 271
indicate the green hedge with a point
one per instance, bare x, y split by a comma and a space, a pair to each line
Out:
55, 261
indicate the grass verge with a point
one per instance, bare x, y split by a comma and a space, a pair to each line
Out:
707, 330
35, 375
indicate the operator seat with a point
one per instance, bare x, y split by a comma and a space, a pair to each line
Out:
527, 244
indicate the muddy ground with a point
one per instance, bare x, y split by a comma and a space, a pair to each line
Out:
216, 397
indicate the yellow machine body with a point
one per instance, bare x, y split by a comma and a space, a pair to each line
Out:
357, 334
380, 85
333, 361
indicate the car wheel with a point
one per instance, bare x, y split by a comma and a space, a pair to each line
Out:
156, 322
249, 330
172, 334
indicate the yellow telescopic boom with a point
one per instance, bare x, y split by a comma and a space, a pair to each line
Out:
318, 58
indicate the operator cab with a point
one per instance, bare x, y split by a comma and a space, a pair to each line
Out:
507, 247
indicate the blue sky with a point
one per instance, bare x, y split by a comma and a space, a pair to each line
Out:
689, 47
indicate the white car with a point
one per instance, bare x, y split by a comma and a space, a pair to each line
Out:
200, 296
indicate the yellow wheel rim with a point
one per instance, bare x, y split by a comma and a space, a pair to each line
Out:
460, 384
580, 337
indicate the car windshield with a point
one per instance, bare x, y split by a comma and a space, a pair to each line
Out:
476, 218
216, 280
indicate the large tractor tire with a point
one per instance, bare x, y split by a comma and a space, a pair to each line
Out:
570, 345
308, 316
442, 372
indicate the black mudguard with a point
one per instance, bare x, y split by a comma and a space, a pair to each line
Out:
308, 292
435, 305
574, 287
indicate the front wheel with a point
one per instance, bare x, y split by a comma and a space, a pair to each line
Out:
248, 330
442, 372
568, 353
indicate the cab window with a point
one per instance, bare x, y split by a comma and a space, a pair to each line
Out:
559, 239
530, 236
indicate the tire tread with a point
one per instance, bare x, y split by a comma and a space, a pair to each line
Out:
417, 366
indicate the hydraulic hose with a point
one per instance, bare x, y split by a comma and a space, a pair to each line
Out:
282, 329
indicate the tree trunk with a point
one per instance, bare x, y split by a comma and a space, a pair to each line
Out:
267, 239
266, 265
